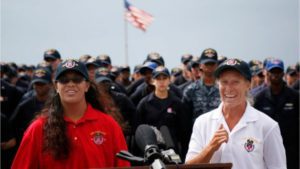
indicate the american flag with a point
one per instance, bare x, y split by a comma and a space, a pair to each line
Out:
137, 17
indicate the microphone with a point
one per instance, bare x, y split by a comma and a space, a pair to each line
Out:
146, 141
144, 135
165, 132
170, 146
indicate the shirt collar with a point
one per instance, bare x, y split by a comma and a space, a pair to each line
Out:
249, 115
89, 114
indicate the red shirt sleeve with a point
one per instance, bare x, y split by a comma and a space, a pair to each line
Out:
28, 154
120, 145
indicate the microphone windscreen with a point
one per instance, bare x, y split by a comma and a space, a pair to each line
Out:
165, 132
144, 135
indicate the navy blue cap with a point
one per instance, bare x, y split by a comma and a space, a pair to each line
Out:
156, 57
186, 58
254, 63
41, 75
104, 58
148, 66
137, 68
256, 69
274, 63
91, 61
192, 64
235, 64
51, 54
100, 78
291, 70
176, 71
160, 71
209, 55
124, 68
71, 65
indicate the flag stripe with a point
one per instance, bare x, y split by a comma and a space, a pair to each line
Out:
137, 17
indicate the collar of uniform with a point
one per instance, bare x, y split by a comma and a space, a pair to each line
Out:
89, 114
249, 115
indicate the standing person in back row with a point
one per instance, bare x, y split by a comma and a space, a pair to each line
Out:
235, 132
203, 95
72, 131
281, 103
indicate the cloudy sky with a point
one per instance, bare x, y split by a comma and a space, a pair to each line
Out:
245, 29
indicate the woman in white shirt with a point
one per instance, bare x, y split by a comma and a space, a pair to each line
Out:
235, 132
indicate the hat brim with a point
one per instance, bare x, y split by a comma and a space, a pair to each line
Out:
220, 70
103, 79
144, 69
40, 81
70, 70
208, 61
273, 67
160, 73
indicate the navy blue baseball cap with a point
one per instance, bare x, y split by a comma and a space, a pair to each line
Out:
41, 75
156, 57
148, 66
234, 64
160, 71
209, 56
256, 69
105, 59
274, 63
176, 71
291, 70
71, 65
51, 54
186, 58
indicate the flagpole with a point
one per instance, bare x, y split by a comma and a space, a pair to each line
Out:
126, 40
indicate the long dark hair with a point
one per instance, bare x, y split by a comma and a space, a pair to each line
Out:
55, 138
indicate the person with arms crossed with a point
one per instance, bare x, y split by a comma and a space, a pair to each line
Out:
235, 132
72, 131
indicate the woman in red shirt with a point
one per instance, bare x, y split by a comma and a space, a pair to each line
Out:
72, 131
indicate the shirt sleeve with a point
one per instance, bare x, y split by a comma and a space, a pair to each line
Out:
196, 144
120, 145
274, 152
27, 156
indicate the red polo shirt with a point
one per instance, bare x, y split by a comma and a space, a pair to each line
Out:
95, 139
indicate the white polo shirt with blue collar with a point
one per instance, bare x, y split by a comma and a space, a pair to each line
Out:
254, 143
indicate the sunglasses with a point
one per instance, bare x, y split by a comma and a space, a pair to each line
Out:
75, 79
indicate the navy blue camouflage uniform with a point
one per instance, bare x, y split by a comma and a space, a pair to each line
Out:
200, 98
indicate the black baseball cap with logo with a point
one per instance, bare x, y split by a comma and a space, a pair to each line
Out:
71, 65
186, 58
105, 59
41, 75
234, 64
160, 71
51, 54
209, 55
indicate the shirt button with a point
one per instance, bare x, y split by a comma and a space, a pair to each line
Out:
75, 138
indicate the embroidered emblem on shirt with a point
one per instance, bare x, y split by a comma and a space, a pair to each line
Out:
249, 146
169, 110
98, 137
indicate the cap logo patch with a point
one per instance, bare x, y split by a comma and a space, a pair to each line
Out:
275, 62
210, 53
40, 73
160, 68
98, 137
249, 145
103, 57
70, 64
232, 62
